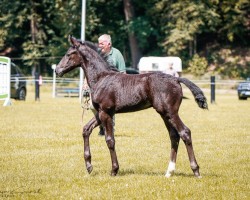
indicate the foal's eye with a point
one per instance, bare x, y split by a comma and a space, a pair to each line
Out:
69, 54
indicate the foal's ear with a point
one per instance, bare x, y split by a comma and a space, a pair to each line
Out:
74, 41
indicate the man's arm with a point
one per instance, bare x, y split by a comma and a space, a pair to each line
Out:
120, 63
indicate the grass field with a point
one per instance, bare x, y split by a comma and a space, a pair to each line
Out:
41, 152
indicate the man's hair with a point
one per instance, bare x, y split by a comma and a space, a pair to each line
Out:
105, 37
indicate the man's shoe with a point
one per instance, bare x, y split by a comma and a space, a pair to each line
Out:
101, 132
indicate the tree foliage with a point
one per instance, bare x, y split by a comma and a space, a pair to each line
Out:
198, 65
35, 32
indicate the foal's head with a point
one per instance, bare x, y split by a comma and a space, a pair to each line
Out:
70, 60
81, 53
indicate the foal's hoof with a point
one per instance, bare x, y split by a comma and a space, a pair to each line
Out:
113, 173
169, 173
89, 169
198, 176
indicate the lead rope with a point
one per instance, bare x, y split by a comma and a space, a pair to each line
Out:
85, 104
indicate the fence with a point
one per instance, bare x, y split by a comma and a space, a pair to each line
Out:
63, 87
69, 87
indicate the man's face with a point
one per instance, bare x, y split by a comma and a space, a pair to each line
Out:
104, 45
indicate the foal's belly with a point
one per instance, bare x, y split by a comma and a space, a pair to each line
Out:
134, 108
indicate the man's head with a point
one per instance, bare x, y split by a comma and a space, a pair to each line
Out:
170, 65
105, 44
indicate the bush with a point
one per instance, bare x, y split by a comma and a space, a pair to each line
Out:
198, 65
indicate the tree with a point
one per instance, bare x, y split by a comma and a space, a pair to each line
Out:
198, 65
28, 30
37, 31
235, 21
186, 20
134, 48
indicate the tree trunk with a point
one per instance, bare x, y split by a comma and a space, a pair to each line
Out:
195, 44
190, 45
133, 43
34, 30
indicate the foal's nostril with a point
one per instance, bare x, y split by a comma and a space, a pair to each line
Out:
57, 73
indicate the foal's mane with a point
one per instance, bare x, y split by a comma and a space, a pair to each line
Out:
104, 57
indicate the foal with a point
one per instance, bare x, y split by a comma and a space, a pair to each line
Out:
113, 92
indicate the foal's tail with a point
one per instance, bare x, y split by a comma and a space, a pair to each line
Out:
196, 91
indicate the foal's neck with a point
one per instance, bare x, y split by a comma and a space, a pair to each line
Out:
93, 71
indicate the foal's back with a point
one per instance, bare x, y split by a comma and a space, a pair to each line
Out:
128, 93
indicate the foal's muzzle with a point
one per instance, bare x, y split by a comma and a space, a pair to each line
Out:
59, 73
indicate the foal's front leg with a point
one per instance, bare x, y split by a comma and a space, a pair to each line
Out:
107, 122
87, 130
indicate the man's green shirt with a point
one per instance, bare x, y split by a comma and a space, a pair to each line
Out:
116, 59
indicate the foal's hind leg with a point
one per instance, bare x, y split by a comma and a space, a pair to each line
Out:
185, 135
175, 138
87, 130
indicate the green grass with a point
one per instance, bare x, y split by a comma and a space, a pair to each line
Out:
41, 152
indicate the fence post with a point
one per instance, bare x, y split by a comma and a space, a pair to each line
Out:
212, 89
37, 90
54, 81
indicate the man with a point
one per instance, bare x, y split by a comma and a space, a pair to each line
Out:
170, 70
114, 57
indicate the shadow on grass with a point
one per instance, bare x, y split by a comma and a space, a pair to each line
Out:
127, 172
122, 135
124, 172
183, 174
203, 175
